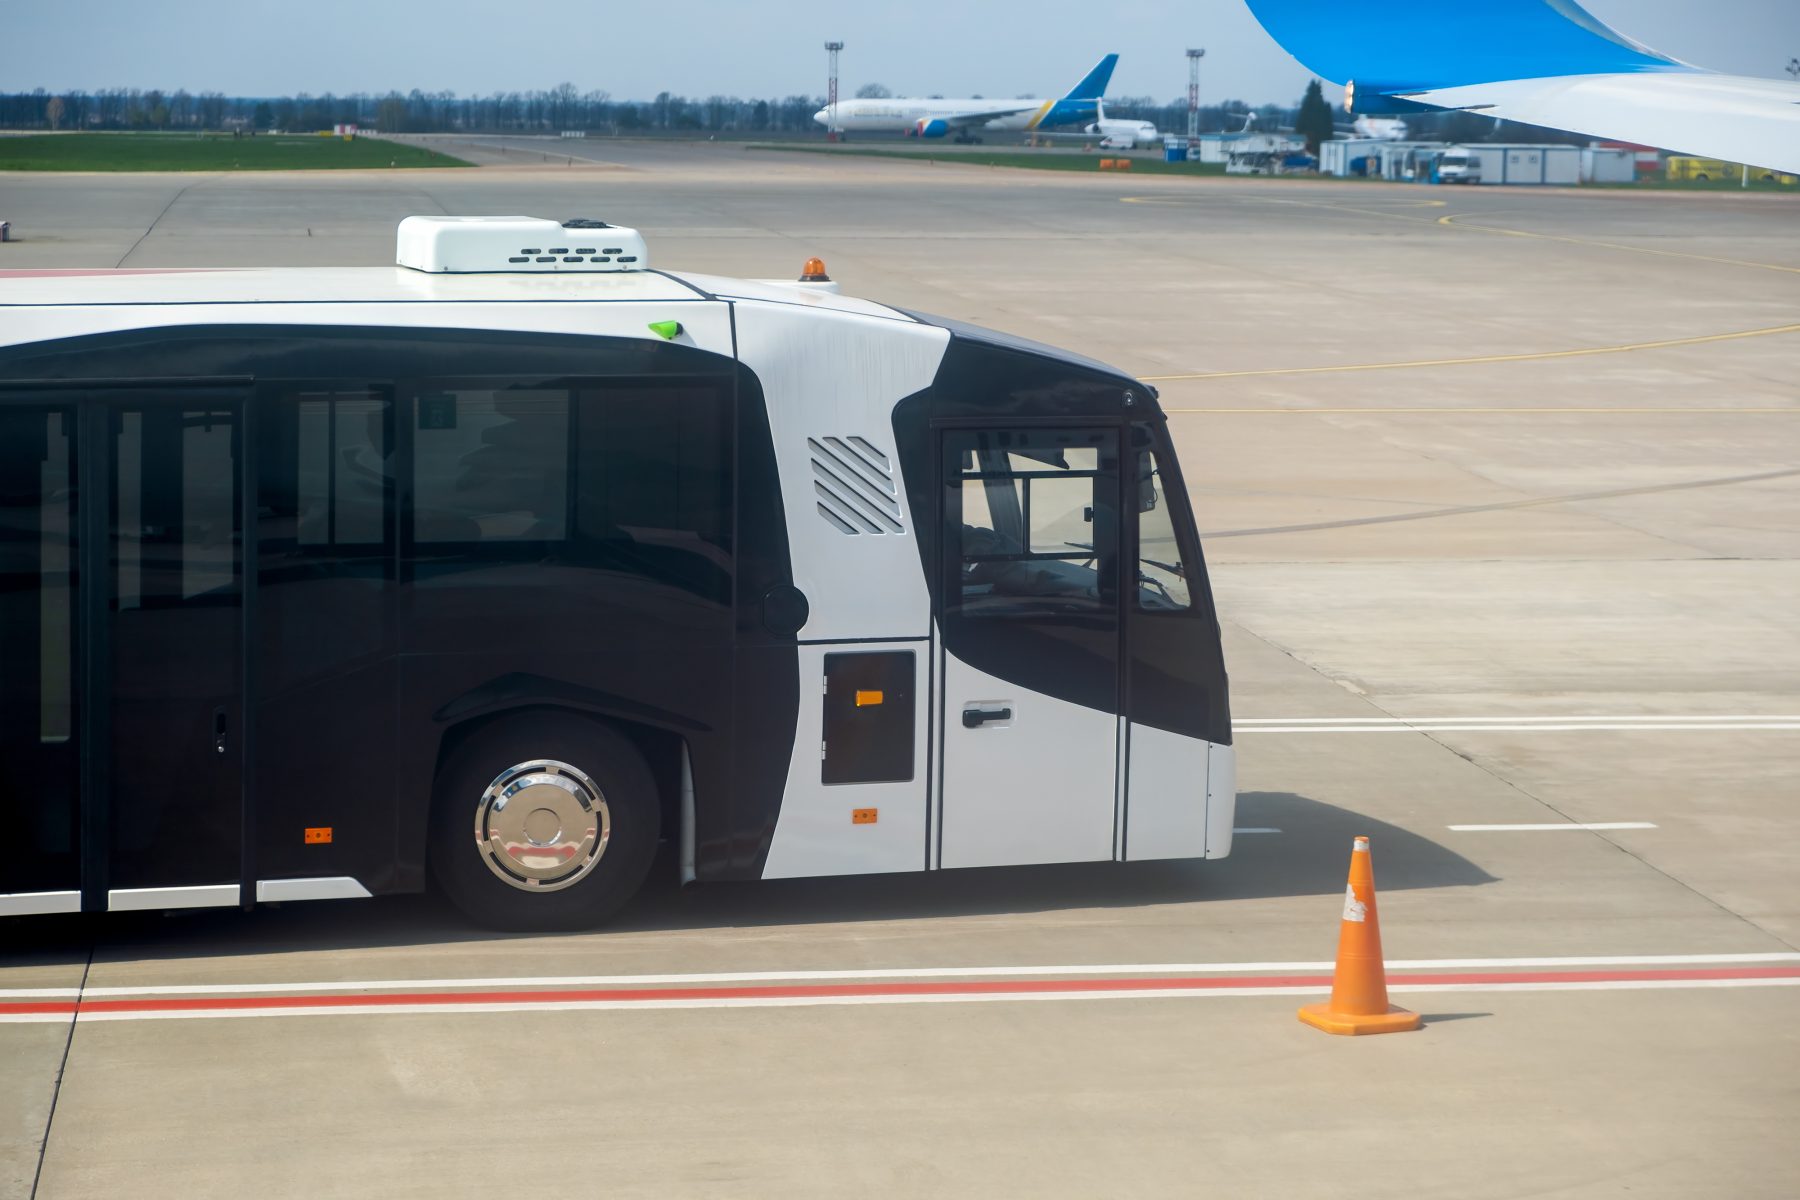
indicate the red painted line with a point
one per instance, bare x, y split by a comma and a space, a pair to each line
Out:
897, 989
51, 1006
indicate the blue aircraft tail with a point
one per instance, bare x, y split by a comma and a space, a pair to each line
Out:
1093, 84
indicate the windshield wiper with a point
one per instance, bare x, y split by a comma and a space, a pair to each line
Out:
1152, 581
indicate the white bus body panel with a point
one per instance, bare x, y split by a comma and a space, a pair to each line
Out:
1221, 799
839, 376
21, 904
814, 834
1165, 806
1039, 787
208, 895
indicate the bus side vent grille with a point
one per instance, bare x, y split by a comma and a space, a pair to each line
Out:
854, 483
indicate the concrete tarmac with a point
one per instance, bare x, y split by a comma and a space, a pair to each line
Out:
1521, 460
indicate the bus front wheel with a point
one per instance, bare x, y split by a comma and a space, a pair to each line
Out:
543, 821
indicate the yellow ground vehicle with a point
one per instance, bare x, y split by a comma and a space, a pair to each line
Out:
1686, 167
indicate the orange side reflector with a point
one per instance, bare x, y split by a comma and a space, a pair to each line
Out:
863, 816
319, 836
864, 699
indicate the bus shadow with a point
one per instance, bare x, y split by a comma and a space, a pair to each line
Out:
1308, 857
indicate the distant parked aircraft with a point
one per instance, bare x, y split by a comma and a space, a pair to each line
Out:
1112, 133
935, 118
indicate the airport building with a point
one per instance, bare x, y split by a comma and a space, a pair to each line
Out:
1219, 147
1484, 163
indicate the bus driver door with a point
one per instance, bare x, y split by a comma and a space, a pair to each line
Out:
1029, 580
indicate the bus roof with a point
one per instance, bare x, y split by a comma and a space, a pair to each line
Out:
397, 285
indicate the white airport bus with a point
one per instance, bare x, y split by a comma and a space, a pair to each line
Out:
506, 564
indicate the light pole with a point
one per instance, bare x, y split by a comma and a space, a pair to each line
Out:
831, 91
1194, 57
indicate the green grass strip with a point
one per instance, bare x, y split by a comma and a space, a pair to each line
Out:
210, 152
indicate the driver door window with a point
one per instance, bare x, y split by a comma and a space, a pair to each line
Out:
1037, 512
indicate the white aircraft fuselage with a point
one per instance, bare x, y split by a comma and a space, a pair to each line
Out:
916, 117
938, 117
1125, 135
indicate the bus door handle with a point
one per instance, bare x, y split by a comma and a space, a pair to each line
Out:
219, 731
974, 716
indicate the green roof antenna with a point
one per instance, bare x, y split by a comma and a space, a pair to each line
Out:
665, 329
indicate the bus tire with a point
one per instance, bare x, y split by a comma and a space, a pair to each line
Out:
543, 821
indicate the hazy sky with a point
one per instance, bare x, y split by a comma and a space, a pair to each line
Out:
762, 48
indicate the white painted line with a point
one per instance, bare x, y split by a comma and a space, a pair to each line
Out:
1428, 727
961, 998
1550, 826
486, 983
1255, 829
1512, 720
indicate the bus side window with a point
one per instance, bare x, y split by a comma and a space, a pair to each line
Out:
653, 484
490, 464
631, 477
341, 468
324, 528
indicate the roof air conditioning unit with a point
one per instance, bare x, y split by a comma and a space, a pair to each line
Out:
466, 245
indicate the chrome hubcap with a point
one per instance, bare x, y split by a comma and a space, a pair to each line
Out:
542, 825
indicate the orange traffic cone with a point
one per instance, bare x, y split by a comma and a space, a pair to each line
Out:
1359, 999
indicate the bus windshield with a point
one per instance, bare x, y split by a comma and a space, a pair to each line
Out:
1161, 578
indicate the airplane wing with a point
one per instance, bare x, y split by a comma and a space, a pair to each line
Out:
1543, 62
969, 120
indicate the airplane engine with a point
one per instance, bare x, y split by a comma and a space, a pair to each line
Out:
933, 128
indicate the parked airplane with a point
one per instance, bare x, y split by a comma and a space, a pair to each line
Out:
1542, 62
1126, 135
1112, 133
934, 118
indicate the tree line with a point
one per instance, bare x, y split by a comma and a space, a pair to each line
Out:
548, 111
568, 107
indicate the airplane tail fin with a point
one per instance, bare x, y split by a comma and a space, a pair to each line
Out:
1093, 84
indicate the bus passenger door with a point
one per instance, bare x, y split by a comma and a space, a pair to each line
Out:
164, 607
1029, 699
40, 754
